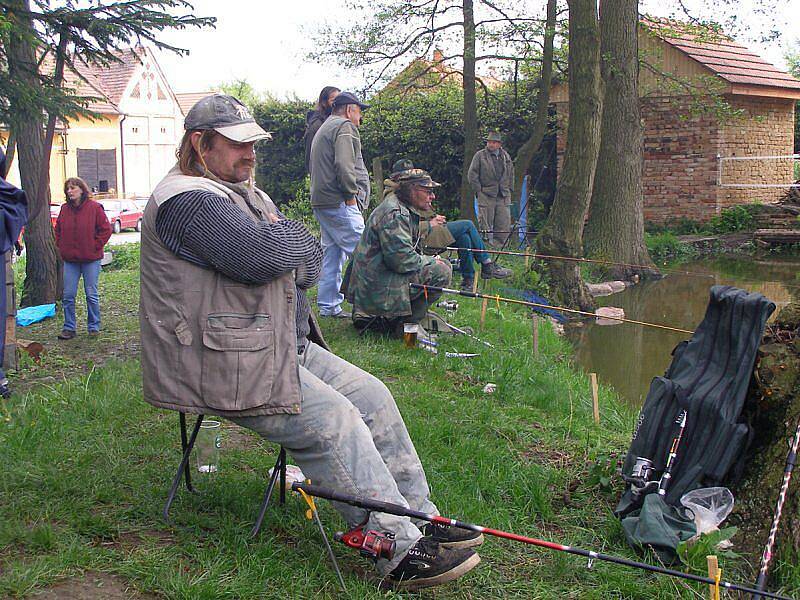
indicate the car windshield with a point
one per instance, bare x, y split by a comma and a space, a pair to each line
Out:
111, 206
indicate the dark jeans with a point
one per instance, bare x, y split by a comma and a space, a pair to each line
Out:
466, 236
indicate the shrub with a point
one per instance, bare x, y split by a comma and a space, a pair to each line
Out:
664, 246
735, 218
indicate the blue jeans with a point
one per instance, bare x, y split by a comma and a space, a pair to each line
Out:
467, 236
341, 229
72, 273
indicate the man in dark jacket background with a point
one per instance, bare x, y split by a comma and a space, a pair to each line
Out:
315, 118
14, 213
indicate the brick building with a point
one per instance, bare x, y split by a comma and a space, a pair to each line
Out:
696, 164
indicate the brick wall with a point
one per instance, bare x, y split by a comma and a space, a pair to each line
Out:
767, 129
680, 155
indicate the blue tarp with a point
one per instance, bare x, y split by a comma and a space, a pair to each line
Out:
34, 314
530, 296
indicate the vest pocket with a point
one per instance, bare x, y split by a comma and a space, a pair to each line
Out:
238, 361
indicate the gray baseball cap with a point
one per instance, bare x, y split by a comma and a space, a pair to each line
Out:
227, 116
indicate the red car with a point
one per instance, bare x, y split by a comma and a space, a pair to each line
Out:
122, 214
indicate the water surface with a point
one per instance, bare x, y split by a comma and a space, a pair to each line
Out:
628, 356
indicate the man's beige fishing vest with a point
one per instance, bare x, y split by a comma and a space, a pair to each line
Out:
210, 344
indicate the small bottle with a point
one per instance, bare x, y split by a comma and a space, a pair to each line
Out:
410, 331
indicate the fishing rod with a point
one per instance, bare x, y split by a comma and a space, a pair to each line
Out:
402, 511
607, 262
673, 453
432, 288
766, 557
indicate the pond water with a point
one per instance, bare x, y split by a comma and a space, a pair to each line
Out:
628, 356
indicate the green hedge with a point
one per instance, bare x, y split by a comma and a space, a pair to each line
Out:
427, 128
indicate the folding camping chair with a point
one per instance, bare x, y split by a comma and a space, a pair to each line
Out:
278, 472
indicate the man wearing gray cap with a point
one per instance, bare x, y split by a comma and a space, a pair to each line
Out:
491, 175
226, 330
339, 195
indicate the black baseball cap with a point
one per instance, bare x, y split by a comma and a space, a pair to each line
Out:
348, 98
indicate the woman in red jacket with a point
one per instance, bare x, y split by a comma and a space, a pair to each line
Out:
82, 230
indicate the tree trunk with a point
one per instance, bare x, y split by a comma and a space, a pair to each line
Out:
11, 150
615, 230
773, 409
470, 111
527, 151
562, 234
42, 264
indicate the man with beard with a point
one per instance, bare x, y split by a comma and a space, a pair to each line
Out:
226, 330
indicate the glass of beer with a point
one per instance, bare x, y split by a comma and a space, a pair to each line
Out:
410, 331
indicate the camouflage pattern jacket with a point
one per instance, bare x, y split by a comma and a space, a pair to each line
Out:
386, 260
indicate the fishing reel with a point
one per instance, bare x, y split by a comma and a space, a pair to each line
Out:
369, 543
640, 479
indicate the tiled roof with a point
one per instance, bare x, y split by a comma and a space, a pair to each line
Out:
725, 58
90, 87
114, 78
189, 99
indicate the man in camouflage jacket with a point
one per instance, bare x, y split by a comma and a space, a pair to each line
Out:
388, 257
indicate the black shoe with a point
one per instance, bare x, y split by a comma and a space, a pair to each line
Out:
467, 284
66, 334
428, 564
452, 537
491, 271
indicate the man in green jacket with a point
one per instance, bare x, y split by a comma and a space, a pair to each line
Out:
491, 175
388, 257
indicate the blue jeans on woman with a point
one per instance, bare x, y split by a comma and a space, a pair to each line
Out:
467, 236
91, 274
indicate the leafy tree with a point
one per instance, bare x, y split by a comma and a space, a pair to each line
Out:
397, 30
244, 91
562, 235
615, 230
793, 59
32, 98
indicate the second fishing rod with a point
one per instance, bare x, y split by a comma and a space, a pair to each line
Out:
444, 290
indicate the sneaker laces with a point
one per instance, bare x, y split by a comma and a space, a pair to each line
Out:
424, 548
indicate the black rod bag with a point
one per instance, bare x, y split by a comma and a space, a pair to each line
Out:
708, 377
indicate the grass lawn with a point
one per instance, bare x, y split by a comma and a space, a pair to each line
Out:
88, 465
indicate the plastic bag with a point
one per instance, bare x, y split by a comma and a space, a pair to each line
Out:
34, 314
711, 506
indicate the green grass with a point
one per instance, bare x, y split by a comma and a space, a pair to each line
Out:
88, 464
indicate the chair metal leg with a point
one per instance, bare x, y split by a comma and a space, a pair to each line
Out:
184, 444
183, 468
278, 472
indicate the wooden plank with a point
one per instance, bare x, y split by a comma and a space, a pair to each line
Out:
377, 177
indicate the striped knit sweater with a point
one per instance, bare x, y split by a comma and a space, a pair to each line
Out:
212, 232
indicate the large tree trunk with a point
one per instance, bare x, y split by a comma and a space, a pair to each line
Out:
773, 409
11, 151
42, 263
615, 230
527, 151
562, 235
470, 111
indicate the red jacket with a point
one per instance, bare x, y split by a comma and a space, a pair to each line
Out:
82, 232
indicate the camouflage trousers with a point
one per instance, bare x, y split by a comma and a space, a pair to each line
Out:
351, 437
437, 275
